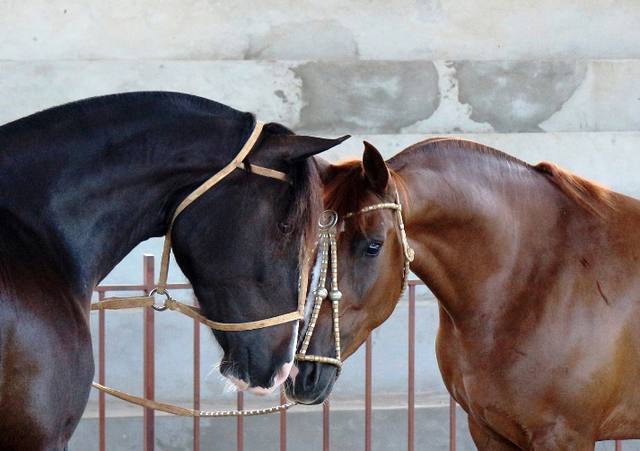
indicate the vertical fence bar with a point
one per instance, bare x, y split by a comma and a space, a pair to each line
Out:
283, 422
326, 434
149, 358
618, 445
368, 389
240, 423
196, 383
452, 424
102, 423
411, 365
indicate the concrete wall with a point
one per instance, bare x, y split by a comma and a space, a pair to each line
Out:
541, 80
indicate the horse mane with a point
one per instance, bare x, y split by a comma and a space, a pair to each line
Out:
347, 188
589, 195
451, 143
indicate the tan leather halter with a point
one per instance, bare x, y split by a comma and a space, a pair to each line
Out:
236, 163
328, 247
161, 288
117, 303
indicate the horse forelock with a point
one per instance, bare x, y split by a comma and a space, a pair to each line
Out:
348, 190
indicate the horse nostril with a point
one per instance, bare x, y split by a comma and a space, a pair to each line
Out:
309, 376
316, 374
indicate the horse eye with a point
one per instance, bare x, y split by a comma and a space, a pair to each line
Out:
373, 248
284, 227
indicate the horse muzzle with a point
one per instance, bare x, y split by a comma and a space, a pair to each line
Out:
311, 383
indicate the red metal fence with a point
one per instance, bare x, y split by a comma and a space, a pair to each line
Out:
149, 377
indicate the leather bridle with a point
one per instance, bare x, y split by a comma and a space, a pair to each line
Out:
117, 303
328, 257
236, 163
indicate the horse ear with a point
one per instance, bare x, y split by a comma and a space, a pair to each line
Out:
303, 147
375, 169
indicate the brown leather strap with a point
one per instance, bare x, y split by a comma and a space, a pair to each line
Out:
222, 173
120, 303
265, 172
116, 303
155, 405
185, 411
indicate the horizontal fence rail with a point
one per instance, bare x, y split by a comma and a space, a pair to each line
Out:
148, 323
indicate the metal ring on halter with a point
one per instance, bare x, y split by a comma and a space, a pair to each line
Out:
162, 307
328, 219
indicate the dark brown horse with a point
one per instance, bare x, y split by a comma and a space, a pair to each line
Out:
537, 275
82, 184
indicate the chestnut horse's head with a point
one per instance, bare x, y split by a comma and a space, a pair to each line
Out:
371, 268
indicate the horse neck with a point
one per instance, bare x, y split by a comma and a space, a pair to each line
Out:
88, 202
474, 223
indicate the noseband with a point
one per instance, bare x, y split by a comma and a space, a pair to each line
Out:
328, 247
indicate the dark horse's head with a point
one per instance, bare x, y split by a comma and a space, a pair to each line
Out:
242, 246
370, 268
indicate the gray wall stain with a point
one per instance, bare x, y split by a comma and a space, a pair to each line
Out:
369, 96
516, 96
281, 95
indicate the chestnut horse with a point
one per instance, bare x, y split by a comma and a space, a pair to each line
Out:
537, 276
82, 184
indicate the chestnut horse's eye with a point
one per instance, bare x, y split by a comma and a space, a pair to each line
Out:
373, 248
284, 228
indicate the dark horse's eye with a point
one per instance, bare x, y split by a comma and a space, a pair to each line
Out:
284, 228
373, 248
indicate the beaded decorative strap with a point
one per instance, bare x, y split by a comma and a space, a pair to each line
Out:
326, 243
328, 247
